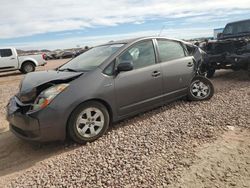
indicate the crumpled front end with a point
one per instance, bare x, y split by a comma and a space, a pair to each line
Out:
22, 124
44, 124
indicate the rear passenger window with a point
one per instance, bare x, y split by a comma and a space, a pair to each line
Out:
170, 50
5, 52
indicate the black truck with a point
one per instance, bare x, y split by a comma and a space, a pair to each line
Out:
231, 50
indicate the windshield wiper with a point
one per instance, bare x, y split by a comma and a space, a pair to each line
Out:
68, 69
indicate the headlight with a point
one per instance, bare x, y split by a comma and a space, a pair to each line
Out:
46, 96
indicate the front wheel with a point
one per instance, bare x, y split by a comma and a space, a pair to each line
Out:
88, 122
200, 89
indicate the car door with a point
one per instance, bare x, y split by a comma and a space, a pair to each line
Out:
140, 88
177, 68
7, 59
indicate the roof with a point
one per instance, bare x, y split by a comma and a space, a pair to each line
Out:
127, 41
239, 21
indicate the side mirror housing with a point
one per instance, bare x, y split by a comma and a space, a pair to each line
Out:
125, 66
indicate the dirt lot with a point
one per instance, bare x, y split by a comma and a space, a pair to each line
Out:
224, 163
198, 144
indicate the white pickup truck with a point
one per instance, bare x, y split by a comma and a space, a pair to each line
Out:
9, 60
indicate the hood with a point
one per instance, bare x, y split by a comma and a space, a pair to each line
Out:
235, 36
32, 81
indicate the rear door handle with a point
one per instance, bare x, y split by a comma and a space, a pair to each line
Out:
12, 58
156, 74
190, 64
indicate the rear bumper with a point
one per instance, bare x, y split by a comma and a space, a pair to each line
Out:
43, 64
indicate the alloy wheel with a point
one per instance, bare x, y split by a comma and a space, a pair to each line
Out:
90, 122
199, 89
28, 68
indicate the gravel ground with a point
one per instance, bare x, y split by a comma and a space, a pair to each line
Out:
5, 92
150, 150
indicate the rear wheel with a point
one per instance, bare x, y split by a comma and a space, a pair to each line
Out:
27, 67
88, 122
200, 89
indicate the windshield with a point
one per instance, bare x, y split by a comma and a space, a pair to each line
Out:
237, 28
91, 59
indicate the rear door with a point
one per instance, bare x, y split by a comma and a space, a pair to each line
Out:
177, 68
140, 88
7, 59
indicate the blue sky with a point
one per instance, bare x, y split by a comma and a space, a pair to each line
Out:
56, 24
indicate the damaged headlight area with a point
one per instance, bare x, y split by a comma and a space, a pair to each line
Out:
46, 96
27, 97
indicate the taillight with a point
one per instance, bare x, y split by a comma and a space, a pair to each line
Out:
44, 56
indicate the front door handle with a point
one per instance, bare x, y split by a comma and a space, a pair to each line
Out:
190, 64
156, 73
12, 58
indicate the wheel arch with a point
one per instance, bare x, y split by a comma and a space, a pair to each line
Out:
103, 102
106, 104
28, 61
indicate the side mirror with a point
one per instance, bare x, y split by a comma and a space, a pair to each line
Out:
125, 66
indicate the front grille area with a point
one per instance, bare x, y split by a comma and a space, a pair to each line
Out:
23, 108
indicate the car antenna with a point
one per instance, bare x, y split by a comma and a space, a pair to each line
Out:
162, 28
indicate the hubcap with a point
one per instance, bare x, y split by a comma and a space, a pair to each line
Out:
90, 122
28, 68
199, 89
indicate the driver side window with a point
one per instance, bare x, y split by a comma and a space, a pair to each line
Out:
141, 55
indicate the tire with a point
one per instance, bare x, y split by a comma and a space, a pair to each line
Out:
28, 67
200, 89
88, 122
210, 72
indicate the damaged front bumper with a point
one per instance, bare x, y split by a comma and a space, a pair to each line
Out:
22, 125
33, 126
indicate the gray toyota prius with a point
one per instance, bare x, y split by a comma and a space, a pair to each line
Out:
106, 84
